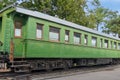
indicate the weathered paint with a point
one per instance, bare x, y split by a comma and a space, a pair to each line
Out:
5, 29
46, 49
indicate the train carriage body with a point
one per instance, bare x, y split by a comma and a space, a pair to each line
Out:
45, 41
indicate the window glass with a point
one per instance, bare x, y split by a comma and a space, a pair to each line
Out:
18, 29
77, 38
111, 44
66, 36
94, 41
106, 43
39, 31
119, 46
101, 43
54, 33
115, 45
85, 39
17, 32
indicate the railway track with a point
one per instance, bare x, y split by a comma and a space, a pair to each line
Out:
43, 75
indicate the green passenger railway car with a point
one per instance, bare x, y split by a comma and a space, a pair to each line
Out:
30, 40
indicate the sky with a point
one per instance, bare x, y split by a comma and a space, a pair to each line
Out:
111, 4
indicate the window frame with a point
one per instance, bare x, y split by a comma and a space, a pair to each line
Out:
101, 43
79, 38
15, 24
86, 37
115, 46
118, 46
96, 41
66, 41
107, 43
41, 30
58, 34
111, 44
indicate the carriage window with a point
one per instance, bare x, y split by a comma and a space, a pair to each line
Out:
101, 43
54, 34
66, 36
39, 31
94, 41
18, 29
119, 46
115, 45
77, 38
86, 39
106, 43
111, 44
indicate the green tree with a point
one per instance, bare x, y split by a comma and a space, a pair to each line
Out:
110, 18
113, 25
4, 3
71, 10
39, 5
97, 15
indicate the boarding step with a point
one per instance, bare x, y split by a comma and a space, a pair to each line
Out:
21, 71
20, 66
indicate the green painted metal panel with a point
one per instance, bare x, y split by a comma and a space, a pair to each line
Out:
45, 49
18, 48
4, 18
5, 29
0, 31
7, 34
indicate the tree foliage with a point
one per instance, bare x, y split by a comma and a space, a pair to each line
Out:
76, 11
39, 5
113, 25
98, 15
4, 3
71, 10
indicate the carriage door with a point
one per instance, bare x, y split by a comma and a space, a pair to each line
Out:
18, 35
